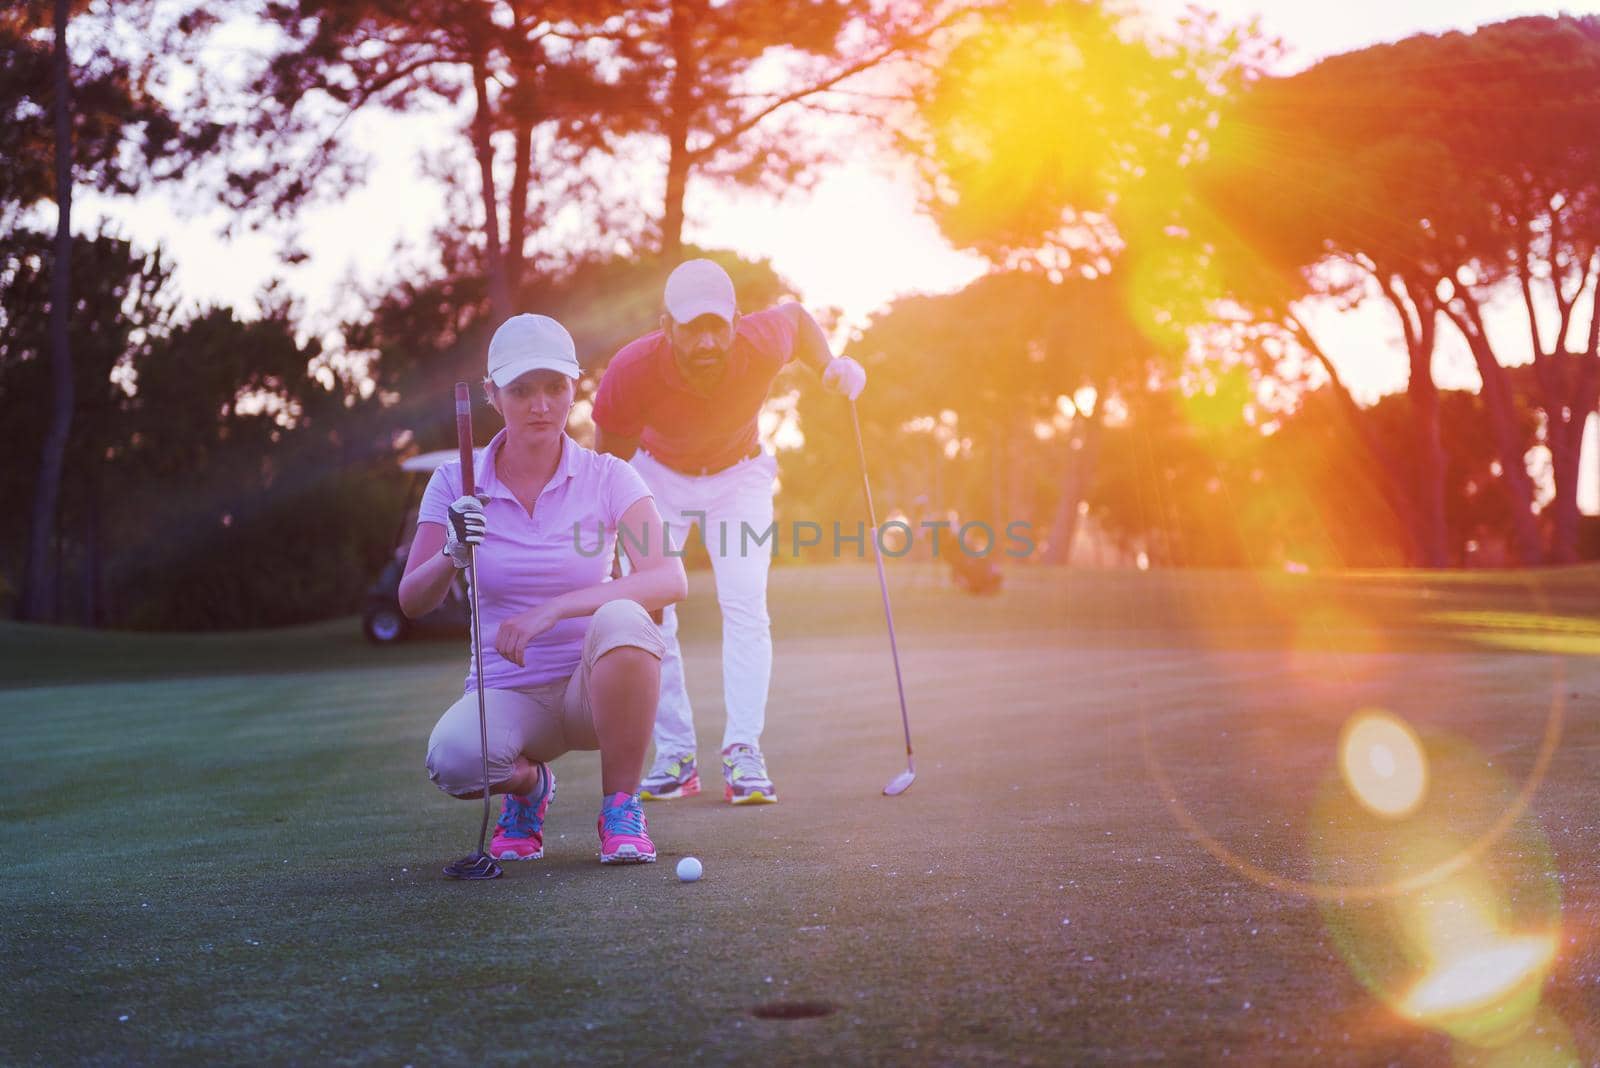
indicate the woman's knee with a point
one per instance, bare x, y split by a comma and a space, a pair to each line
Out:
455, 763
624, 624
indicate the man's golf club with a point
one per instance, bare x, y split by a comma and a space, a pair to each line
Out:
479, 865
901, 782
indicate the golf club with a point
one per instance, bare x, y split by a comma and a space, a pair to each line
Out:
479, 865
901, 782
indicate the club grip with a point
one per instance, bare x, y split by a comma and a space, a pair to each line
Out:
464, 436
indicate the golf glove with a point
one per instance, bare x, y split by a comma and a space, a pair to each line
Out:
845, 377
464, 530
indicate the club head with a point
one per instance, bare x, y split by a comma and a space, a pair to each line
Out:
476, 866
900, 783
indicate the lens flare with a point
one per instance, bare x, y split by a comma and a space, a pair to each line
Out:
1481, 979
1484, 979
1383, 765
1465, 949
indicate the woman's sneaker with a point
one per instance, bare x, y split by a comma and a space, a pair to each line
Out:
624, 838
670, 778
745, 779
519, 833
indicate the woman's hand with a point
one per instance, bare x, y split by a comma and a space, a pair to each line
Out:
464, 531
512, 639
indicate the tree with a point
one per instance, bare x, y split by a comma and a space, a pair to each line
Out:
1182, 483
104, 120
1051, 132
121, 304
1533, 223
1052, 137
556, 88
1269, 243
1190, 482
196, 444
543, 93
233, 431
39, 576
711, 97
1402, 169
1003, 367
122, 133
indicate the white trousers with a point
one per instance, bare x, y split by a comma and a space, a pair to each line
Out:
733, 509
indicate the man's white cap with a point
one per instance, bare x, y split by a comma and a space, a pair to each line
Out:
699, 287
531, 343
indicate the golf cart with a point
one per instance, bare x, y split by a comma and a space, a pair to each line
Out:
381, 619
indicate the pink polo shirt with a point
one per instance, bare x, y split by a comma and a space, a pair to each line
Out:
527, 559
643, 395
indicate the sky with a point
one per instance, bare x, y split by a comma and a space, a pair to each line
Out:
853, 243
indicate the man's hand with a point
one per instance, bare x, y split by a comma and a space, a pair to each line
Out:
845, 377
512, 639
465, 529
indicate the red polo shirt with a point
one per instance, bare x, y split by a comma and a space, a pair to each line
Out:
643, 395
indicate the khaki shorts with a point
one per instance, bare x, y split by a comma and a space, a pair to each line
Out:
539, 723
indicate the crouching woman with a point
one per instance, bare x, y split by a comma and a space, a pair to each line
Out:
570, 659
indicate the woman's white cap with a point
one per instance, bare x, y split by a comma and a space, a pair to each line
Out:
531, 343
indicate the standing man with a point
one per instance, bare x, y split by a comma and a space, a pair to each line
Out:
683, 403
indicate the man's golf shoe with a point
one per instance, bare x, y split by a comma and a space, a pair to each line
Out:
669, 778
745, 778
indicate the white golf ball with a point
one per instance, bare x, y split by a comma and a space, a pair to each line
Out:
689, 870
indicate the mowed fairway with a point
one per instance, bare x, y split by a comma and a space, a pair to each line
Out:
226, 850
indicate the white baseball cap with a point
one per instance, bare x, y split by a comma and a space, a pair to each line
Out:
699, 287
531, 343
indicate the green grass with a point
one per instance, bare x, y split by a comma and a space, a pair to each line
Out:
223, 848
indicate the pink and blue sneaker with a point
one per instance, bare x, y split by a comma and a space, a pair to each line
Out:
624, 838
519, 832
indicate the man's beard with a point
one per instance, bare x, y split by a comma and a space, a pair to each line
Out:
706, 369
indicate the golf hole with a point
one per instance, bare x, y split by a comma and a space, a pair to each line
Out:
792, 1010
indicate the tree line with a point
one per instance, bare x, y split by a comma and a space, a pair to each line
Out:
1159, 209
